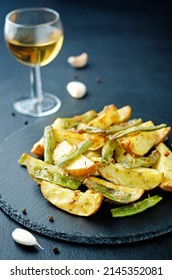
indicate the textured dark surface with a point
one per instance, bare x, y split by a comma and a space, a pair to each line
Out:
130, 50
21, 192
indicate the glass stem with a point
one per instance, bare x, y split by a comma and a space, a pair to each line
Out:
36, 83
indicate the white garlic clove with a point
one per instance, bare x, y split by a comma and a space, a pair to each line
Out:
24, 237
76, 89
78, 61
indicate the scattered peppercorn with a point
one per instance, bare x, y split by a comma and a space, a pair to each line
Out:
75, 76
24, 211
26, 122
56, 250
98, 80
13, 114
51, 218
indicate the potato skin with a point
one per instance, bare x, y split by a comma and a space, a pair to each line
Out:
141, 143
74, 202
141, 177
81, 166
164, 164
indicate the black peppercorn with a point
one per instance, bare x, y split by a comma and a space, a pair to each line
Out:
24, 211
56, 250
98, 80
76, 77
51, 218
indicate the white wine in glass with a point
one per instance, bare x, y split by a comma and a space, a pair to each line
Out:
34, 36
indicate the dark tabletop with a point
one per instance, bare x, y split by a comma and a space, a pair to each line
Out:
130, 62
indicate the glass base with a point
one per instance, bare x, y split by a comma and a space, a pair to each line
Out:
32, 107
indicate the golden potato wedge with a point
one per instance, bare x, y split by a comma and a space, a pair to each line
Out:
121, 154
38, 148
61, 149
74, 202
105, 118
162, 134
140, 143
124, 114
132, 161
80, 166
75, 138
141, 177
164, 165
94, 156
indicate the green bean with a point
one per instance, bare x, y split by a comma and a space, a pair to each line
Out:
133, 129
107, 150
44, 171
49, 144
68, 122
135, 207
90, 129
141, 161
86, 117
114, 193
119, 127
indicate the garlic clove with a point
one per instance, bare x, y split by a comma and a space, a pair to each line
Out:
24, 237
76, 89
78, 61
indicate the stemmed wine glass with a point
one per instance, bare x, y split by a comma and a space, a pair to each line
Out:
34, 36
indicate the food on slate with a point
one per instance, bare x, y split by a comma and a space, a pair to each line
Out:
102, 157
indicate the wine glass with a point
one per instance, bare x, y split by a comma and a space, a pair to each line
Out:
34, 36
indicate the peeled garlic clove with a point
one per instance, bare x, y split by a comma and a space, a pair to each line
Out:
24, 237
78, 61
76, 89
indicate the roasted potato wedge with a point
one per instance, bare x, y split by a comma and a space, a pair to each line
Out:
74, 202
140, 143
164, 165
75, 138
124, 114
38, 148
162, 134
105, 118
144, 178
130, 161
80, 166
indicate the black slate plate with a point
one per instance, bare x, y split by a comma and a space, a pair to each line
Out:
17, 191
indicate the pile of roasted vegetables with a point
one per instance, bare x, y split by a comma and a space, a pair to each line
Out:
101, 157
